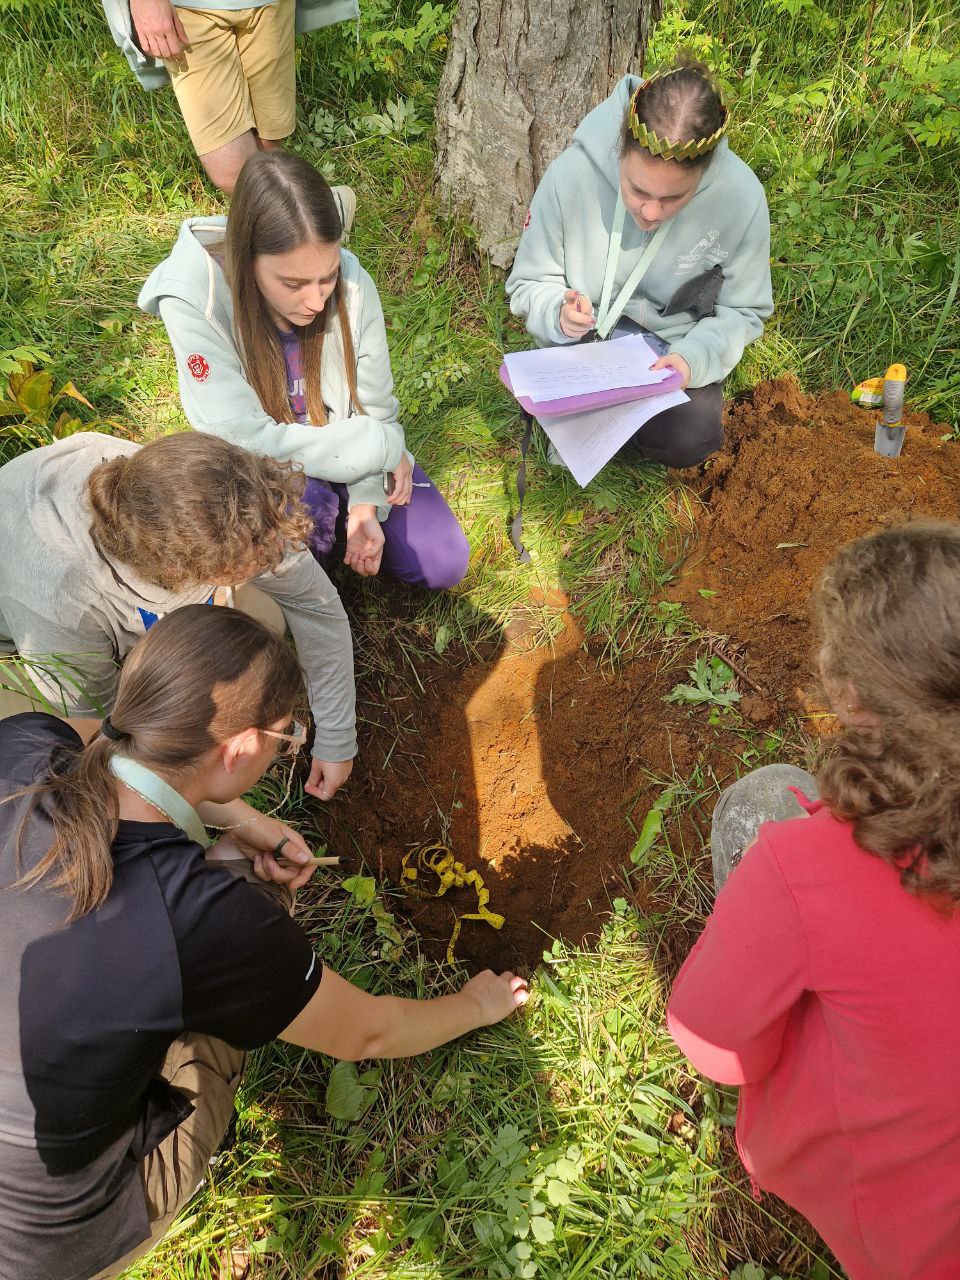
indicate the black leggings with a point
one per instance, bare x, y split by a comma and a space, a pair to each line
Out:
686, 434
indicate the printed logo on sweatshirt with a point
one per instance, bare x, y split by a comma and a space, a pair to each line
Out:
199, 367
705, 245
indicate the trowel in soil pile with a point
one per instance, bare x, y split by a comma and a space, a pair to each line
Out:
888, 437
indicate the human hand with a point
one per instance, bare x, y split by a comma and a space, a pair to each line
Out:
576, 314
158, 29
672, 361
497, 995
258, 840
364, 541
402, 489
327, 777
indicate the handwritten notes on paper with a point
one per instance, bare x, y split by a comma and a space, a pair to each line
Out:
587, 441
552, 373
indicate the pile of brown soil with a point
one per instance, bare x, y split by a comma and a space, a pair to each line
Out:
797, 478
527, 766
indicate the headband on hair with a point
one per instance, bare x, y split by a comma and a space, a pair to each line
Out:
661, 146
109, 731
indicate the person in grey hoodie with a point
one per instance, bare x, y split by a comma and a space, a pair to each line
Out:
103, 536
649, 221
281, 347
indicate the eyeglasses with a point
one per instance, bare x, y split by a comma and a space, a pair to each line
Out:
294, 741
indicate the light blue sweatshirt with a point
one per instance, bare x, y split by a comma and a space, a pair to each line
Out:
564, 246
151, 72
190, 292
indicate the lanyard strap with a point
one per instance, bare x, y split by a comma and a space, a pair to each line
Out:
151, 787
609, 314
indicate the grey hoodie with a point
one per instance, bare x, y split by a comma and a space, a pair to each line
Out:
564, 246
60, 597
189, 290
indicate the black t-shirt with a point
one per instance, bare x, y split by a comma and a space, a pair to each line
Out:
89, 1009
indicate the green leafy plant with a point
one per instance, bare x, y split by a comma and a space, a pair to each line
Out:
712, 684
31, 407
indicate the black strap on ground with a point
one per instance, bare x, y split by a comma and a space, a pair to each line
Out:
516, 527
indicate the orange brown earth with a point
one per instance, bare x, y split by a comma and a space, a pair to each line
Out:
527, 765
797, 478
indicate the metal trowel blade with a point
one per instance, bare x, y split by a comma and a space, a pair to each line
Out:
888, 440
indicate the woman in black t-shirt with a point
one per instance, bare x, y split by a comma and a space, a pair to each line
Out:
145, 969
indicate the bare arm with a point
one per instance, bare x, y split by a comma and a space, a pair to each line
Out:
350, 1024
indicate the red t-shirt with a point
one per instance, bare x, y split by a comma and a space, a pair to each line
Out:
831, 995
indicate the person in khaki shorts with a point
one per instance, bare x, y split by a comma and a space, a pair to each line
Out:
141, 969
233, 72
231, 64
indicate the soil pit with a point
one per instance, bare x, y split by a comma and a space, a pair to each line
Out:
797, 478
526, 766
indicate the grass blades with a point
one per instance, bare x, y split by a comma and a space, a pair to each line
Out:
571, 1142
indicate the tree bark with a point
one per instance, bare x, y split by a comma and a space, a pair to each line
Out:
520, 76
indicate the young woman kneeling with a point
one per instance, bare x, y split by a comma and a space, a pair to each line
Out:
281, 347
825, 983
143, 964
648, 221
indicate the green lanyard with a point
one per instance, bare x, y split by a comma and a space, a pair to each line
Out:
151, 787
608, 314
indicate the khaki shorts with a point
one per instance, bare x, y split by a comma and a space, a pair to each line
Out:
237, 73
208, 1072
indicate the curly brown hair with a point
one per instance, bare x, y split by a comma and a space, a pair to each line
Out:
190, 509
888, 611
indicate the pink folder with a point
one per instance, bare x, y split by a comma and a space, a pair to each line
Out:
594, 400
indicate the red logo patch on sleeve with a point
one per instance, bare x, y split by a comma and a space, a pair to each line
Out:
199, 367
526, 221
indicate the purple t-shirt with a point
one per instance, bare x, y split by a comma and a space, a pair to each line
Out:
293, 359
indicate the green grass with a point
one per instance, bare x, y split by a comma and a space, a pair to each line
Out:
580, 1115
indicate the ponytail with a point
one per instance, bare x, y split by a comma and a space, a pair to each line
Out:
199, 676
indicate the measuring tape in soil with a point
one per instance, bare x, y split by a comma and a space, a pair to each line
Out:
436, 859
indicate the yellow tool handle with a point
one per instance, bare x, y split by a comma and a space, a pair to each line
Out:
893, 384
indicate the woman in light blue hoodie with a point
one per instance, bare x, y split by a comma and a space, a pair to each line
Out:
649, 221
281, 347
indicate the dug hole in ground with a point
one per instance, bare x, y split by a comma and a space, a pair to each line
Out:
531, 764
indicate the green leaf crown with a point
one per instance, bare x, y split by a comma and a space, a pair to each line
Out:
662, 146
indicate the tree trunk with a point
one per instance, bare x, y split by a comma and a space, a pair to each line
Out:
519, 78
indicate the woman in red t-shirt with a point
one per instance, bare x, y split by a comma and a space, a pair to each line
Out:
825, 983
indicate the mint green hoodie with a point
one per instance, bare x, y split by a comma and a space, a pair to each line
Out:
190, 292
564, 246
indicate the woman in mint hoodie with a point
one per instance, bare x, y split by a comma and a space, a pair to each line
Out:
648, 220
281, 347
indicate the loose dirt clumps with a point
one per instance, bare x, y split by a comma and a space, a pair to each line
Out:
527, 766
797, 478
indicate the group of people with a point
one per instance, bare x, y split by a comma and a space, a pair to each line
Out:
144, 957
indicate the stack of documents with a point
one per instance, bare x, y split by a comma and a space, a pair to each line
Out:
591, 398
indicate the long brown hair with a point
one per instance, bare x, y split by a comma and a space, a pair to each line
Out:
191, 509
199, 675
888, 611
280, 202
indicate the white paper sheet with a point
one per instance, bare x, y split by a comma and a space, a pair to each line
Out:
554, 372
587, 441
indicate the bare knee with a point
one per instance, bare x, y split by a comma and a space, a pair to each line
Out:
223, 165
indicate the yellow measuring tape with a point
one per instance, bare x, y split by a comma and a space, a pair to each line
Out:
436, 859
